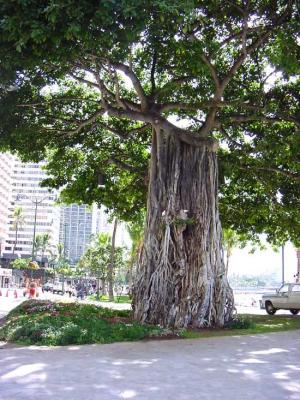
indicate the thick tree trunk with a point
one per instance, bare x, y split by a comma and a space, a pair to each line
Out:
98, 289
111, 267
181, 278
103, 287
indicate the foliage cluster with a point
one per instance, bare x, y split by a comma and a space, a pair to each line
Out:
24, 263
96, 259
43, 322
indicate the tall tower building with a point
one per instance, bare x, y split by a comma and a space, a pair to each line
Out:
78, 223
39, 212
76, 228
6, 169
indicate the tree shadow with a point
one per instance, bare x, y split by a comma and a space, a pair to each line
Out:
265, 366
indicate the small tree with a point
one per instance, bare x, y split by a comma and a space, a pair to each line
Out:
232, 239
20, 263
96, 259
136, 233
101, 260
111, 265
60, 263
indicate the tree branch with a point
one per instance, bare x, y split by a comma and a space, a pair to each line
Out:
239, 34
122, 165
135, 81
206, 104
293, 175
248, 50
160, 122
83, 80
250, 118
212, 70
152, 72
87, 122
58, 100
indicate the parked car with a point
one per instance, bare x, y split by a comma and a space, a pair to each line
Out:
287, 297
60, 289
47, 287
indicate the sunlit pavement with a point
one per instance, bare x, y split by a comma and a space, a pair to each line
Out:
260, 367
9, 299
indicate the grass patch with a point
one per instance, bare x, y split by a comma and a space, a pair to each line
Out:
47, 323
248, 324
118, 299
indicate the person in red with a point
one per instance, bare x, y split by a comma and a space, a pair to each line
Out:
32, 290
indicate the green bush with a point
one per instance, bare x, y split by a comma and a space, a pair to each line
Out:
48, 323
241, 322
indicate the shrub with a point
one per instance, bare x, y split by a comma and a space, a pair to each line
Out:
48, 323
240, 322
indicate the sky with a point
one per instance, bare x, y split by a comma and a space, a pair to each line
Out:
264, 262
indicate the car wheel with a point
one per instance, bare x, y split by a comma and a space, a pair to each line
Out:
294, 311
269, 308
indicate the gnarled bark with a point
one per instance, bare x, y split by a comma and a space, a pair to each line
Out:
181, 278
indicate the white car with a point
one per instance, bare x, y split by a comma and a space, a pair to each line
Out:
287, 297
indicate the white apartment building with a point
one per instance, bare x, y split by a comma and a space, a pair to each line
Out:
76, 228
78, 223
6, 169
38, 206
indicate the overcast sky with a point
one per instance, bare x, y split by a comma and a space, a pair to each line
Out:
264, 262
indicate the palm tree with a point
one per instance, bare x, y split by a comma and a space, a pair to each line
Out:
41, 243
18, 222
37, 245
58, 258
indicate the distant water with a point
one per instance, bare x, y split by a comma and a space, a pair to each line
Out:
250, 296
251, 289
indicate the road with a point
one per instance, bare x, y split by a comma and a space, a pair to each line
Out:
8, 303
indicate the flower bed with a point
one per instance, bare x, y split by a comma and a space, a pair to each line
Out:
49, 323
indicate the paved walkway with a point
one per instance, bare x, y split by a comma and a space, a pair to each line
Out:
259, 367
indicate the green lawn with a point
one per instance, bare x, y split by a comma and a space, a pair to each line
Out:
47, 323
118, 299
253, 324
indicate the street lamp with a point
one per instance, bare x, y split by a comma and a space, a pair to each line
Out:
282, 264
1, 246
36, 202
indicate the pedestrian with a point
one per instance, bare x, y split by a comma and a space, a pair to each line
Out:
32, 290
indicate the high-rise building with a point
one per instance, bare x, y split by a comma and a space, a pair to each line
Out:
76, 228
39, 212
6, 169
78, 223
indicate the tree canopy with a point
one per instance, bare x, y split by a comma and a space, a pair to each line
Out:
84, 82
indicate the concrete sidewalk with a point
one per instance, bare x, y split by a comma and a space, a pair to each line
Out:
258, 367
